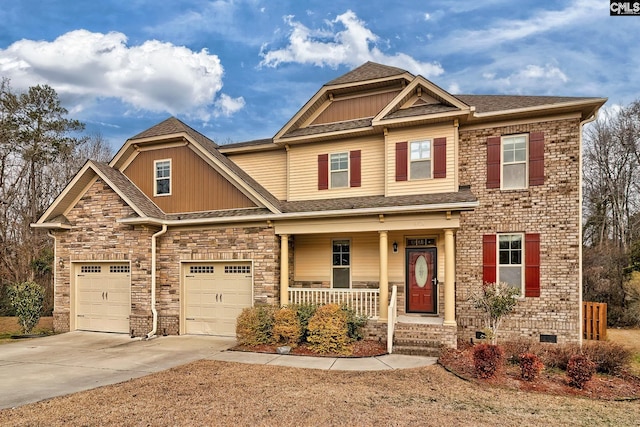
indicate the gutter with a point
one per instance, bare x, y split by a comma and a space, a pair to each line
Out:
152, 333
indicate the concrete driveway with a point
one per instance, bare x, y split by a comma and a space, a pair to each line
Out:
41, 368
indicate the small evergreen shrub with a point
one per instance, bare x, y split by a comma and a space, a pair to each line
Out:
530, 366
27, 299
305, 312
328, 331
580, 369
487, 360
286, 328
254, 326
355, 323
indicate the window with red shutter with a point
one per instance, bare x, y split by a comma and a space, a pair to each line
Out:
355, 168
401, 161
532, 265
493, 162
323, 171
489, 252
440, 158
536, 158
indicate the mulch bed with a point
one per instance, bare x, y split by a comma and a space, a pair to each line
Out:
602, 387
364, 348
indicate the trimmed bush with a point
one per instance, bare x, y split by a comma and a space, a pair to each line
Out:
27, 299
610, 358
286, 328
254, 326
530, 366
487, 360
580, 369
328, 331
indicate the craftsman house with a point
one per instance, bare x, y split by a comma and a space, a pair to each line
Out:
384, 192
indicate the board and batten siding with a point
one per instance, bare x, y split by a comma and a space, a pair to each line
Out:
269, 168
355, 108
421, 186
303, 169
195, 185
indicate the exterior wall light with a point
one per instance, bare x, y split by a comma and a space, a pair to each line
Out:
395, 247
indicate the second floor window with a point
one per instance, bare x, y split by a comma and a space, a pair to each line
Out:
514, 162
162, 185
339, 164
420, 167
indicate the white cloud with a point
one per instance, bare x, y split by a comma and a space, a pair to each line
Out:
352, 45
529, 79
427, 16
153, 76
226, 105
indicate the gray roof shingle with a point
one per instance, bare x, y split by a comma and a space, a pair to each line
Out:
367, 71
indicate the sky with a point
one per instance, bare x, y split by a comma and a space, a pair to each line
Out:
238, 70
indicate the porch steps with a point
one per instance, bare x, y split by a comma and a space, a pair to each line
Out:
417, 339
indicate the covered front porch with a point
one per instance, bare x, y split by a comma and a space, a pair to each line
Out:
382, 266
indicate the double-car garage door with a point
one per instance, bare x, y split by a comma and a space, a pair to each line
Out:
215, 293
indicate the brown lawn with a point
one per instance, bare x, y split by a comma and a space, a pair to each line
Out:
9, 326
629, 338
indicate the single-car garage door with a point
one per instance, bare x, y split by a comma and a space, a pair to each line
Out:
215, 294
103, 292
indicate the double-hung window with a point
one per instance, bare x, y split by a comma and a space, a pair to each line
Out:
510, 260
514, 162
420, 166
339, 170
162, 182
341, 254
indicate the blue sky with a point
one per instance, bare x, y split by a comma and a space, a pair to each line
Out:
238, 70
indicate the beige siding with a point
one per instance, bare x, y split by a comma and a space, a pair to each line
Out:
269, 168
440, 185
303, 172
355, 108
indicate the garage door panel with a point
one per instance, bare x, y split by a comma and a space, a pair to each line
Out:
103, 294
215, 295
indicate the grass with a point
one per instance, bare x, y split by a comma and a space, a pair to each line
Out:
629, 338
9, 326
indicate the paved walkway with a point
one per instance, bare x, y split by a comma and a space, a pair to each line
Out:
41, 368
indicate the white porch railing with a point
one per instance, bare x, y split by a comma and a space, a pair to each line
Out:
363, 301
392, 318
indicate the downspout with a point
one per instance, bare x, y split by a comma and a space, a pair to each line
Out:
580, 311
153, 281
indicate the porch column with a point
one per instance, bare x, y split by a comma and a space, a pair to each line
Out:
284, 269
384, 276
449, 279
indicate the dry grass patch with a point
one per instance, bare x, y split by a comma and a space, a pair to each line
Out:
9, 326
219, 393
628, 338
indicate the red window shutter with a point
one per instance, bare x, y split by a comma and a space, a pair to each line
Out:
532, 265
489, 255
355, 168
323, 171
493, 162
440, 158
401, 161
536, 158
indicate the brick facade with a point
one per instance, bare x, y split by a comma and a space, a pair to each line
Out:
552, 210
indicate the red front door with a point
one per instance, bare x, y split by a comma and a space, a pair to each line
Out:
421, 271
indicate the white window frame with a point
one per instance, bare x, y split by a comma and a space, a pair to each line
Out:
333, 267
347, 170
521, 265
421, 159
525, 161
156, 178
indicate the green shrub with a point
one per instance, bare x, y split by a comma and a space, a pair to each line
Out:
355, 323
286, 328
530, 366
487, 360
254, 325
27, 299
328, 331
580, 369
496, 300
305, 312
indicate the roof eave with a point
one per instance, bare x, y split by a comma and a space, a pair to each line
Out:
587, 108
424, 117
51, 226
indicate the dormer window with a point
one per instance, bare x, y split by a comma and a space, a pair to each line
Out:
162, 185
